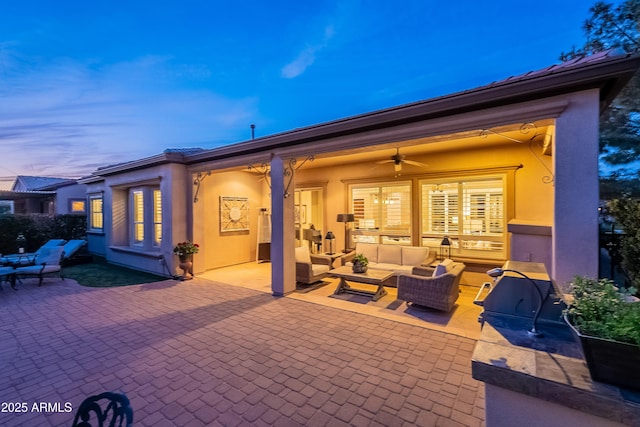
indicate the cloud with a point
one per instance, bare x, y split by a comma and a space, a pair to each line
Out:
66, 117
307, 56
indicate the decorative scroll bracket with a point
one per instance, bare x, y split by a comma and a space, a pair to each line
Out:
197, 181
289, 172
525, 129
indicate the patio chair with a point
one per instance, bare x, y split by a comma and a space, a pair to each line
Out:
434, 288
311, 268
21, 259
71, 250
47, 261
116, 412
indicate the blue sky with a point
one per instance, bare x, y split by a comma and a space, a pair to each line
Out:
86, 84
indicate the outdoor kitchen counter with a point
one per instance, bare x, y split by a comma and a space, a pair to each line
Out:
544, 381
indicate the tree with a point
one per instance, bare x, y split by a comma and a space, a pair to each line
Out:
618, 27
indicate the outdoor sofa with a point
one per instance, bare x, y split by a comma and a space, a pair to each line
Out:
396, 258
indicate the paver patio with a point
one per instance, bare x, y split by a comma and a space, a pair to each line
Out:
201, 353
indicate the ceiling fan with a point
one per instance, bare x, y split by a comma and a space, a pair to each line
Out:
398, 159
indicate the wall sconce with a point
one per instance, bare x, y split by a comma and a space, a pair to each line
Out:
346, 218
445, 248
330, 237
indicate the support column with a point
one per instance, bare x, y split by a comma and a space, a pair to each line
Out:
283, 274
575, 212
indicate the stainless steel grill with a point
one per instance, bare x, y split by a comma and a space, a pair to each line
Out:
521, 290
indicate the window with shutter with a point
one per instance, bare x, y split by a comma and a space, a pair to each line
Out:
469, 211
157, 217
138, 217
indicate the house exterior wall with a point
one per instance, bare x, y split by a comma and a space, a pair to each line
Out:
218, 248
575, 214
115, 241
68, 193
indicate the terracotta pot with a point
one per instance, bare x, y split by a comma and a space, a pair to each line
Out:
186, 265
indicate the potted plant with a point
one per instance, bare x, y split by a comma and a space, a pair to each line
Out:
360, 263
185, 251
607, 322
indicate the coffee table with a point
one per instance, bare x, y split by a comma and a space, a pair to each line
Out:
371, 277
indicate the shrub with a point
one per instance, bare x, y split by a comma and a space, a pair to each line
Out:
601, 310
38, 229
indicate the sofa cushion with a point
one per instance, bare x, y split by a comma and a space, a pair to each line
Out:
370, 250
317, 269
303, 255
390, 254
414, 255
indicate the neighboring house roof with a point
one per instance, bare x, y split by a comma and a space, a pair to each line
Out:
606, 71
34, 183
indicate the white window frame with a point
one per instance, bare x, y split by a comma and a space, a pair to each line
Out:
145, 226
382, 212
93, 214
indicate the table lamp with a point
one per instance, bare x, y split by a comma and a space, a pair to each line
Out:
330, 237
445, 248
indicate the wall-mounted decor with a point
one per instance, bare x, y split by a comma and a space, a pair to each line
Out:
300, 214
234, 213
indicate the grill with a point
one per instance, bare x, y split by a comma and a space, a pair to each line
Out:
521, 293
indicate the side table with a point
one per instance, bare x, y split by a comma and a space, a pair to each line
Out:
334, 256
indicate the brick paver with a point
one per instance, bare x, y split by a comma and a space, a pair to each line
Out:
199, 353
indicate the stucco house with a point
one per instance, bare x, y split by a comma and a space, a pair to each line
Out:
44, 195
507, 171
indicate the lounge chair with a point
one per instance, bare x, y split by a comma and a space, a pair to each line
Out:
71, 251
47, 261
22, 259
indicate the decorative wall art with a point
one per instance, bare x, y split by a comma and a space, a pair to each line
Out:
234, 213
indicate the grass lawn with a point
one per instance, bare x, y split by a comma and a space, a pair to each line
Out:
100, 274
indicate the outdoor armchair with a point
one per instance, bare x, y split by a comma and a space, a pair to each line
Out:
47, 261
423, 288
311, 268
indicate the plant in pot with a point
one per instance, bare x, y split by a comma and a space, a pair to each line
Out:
360, 263
185, 251
607, 322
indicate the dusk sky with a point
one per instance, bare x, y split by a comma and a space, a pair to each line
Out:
87, 84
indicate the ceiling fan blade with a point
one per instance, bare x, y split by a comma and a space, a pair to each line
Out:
380, 162
414, 163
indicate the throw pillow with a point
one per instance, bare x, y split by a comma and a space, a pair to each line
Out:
439, 270
448, 263
303, 255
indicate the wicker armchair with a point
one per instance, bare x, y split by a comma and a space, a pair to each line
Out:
311, 268
440, 292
